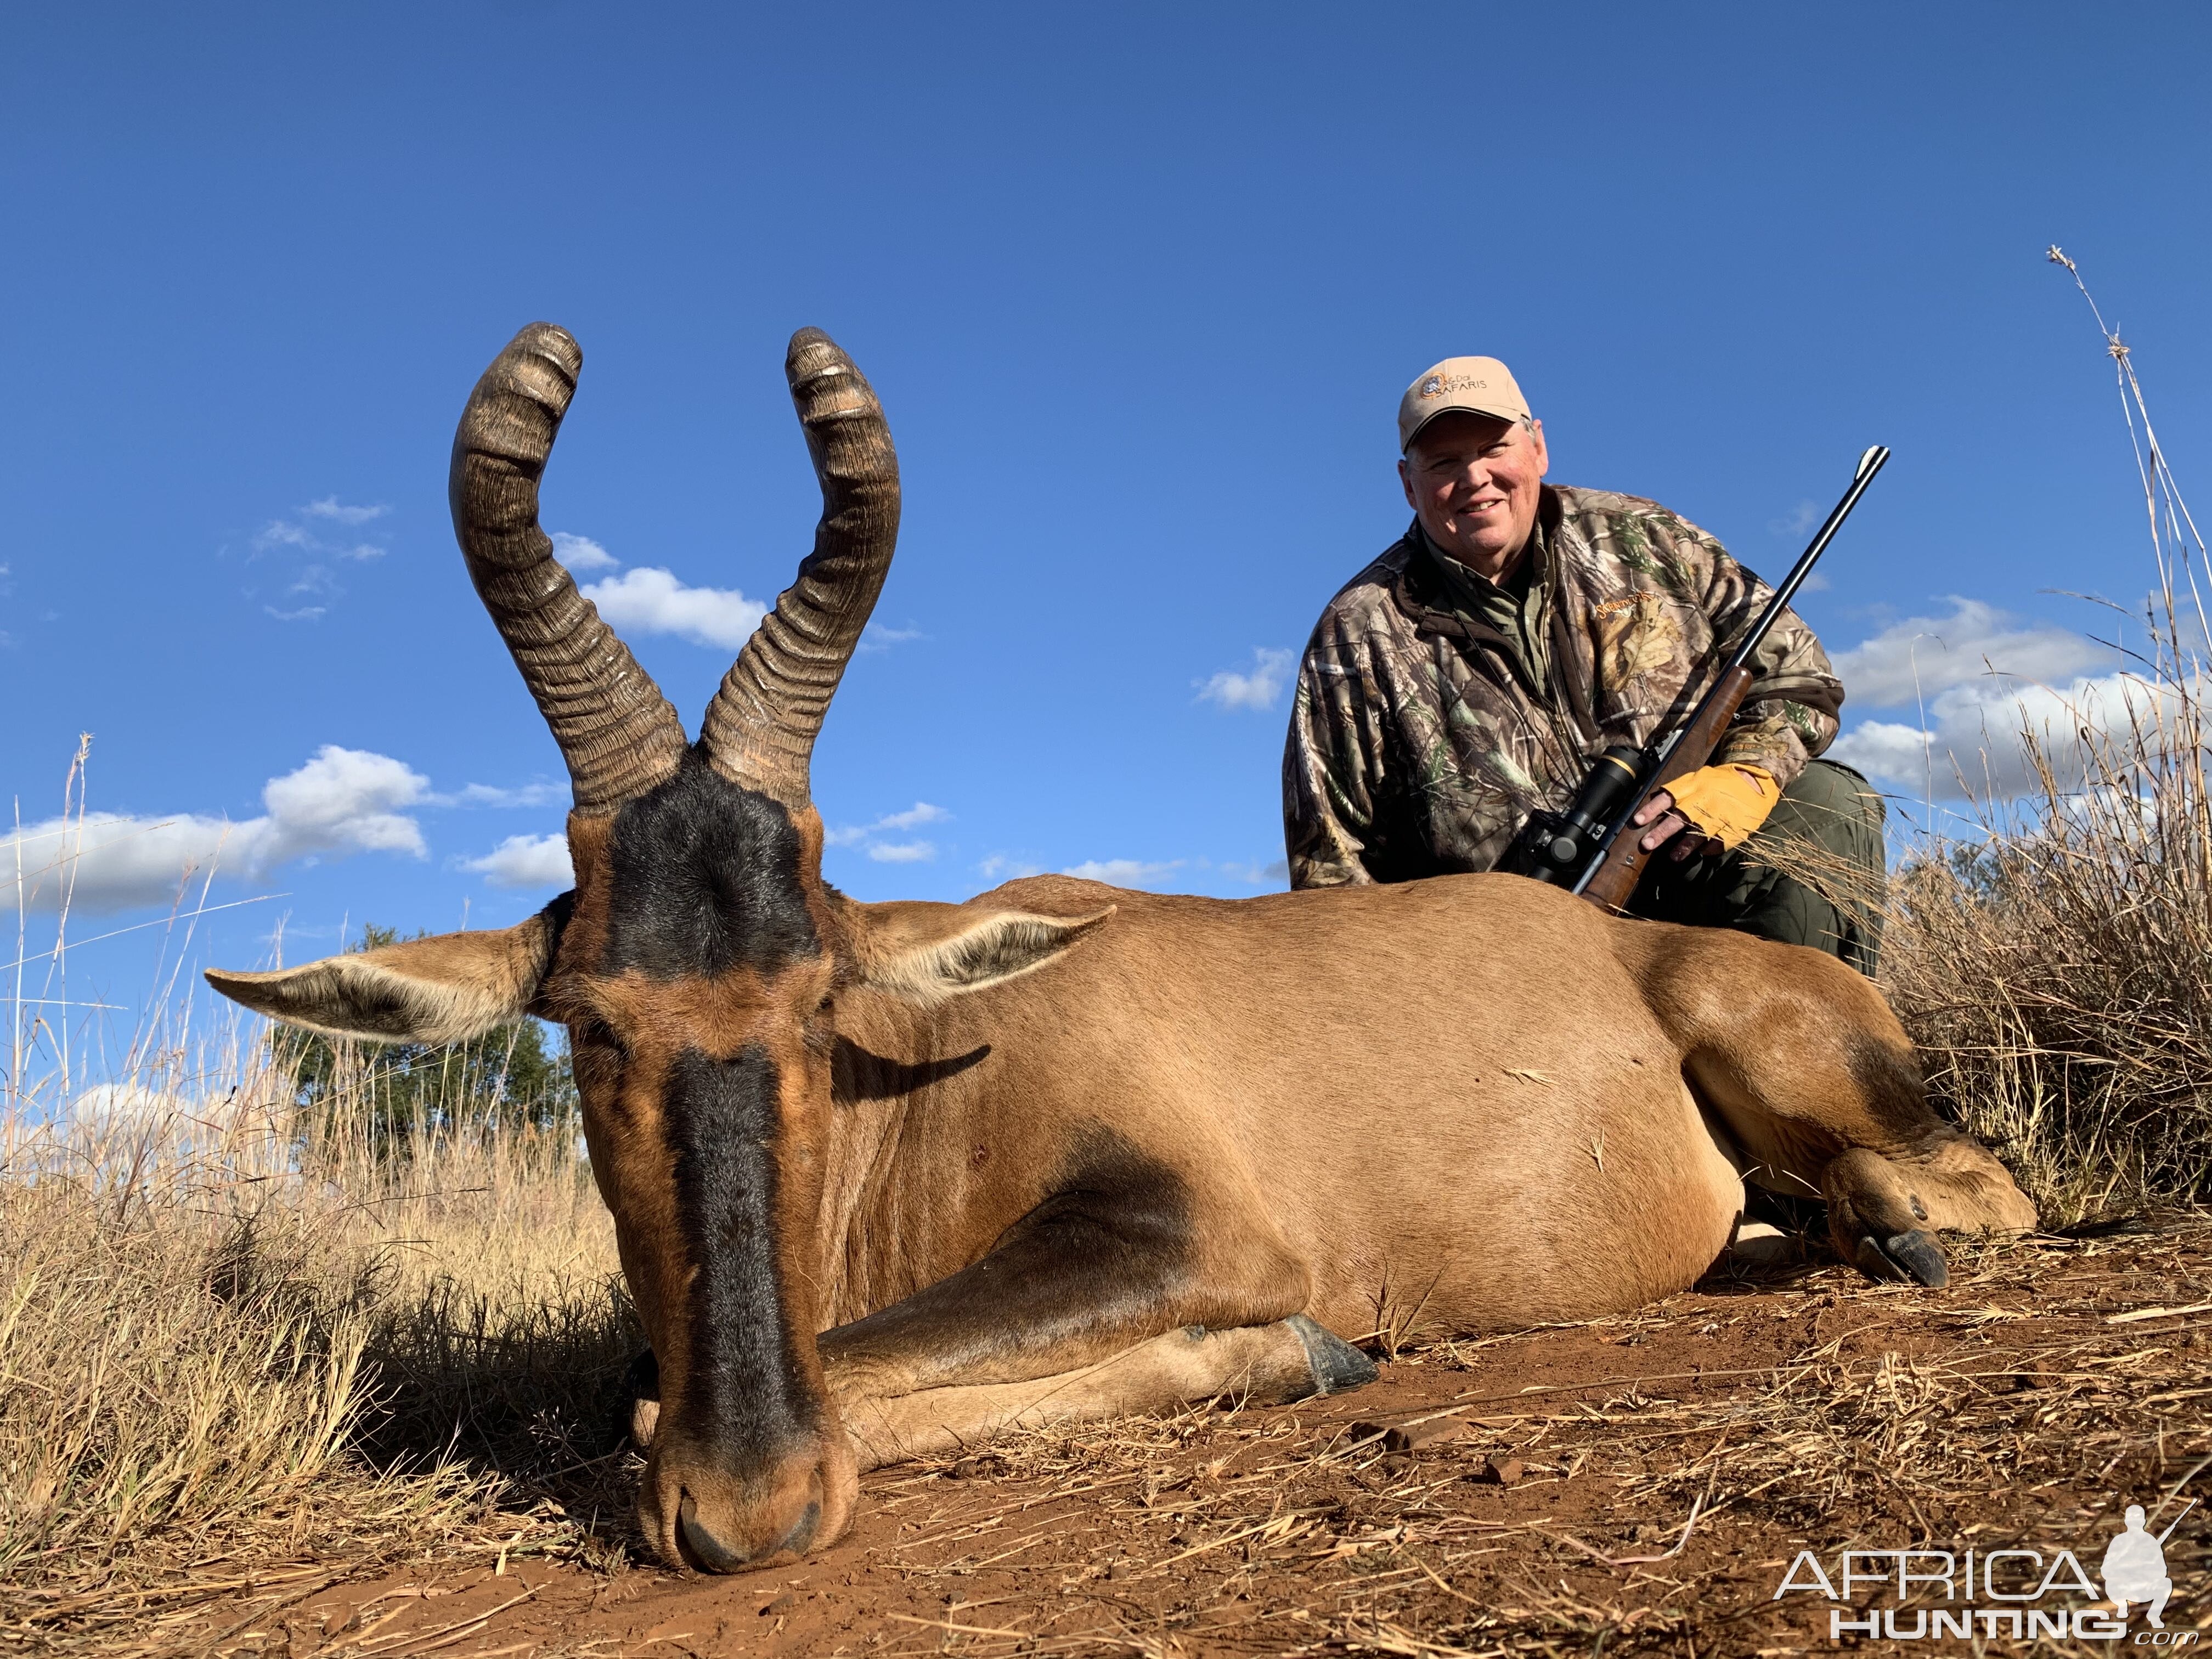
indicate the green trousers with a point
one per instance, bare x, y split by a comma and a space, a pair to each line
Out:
1816, 873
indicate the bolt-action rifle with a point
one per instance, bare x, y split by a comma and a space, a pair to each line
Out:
1592, 848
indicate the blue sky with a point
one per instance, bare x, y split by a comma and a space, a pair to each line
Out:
1140, 287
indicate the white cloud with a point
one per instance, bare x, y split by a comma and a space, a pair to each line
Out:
877, 637
1798, 522
1922, 656
283, 540
910, 851
126, 1122
343, 801
330, 507
107, 862
485, 794
921, 812
581, 552
1257, 689
652, 601
525, 861
1123, 872
1276, 872
129, 1102
280, 534
999, 865
1973, 743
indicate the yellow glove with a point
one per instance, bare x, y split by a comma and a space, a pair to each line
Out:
1727, 803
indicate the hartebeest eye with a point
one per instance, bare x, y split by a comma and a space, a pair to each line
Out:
587, 1032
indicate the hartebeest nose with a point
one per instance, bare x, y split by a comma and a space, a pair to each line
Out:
718, 1519
716, 1556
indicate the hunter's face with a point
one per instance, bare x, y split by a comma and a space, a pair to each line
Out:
1475, 482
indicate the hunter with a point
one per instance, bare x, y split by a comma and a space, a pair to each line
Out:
1470, 675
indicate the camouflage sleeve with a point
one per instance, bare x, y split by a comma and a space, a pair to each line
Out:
1332, 763
1789, 714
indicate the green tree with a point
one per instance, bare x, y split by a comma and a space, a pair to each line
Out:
510, 1077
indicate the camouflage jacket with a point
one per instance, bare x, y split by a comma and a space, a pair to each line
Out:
1418, 745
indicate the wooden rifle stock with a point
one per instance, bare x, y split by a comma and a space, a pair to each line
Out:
1552, 846
1624, 863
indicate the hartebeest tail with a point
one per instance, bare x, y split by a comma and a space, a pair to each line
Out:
881, 1187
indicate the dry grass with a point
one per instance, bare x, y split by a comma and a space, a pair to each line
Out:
2055, 961
2058, 980
225, 1343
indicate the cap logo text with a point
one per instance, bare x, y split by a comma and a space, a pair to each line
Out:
1436, 384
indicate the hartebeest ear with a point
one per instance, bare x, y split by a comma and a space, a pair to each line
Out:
930, 952
446, 989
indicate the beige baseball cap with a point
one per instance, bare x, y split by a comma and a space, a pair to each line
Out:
1481, 386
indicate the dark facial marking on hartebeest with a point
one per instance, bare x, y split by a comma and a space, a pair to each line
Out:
743, 1381
1109, 1245
858, 1074
705, 879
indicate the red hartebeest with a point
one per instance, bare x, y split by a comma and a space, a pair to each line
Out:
880, 1186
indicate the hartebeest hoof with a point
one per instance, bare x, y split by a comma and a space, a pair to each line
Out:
1337, 1366
1914, 1255
1884, 1212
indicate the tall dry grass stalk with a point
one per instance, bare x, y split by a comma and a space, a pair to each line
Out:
2055, 964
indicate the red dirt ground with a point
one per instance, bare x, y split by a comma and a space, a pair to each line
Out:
2020, 1405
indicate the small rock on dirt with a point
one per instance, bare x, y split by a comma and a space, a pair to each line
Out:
1411, 1437
1502, 1471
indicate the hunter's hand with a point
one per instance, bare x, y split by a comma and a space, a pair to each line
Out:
1661, 823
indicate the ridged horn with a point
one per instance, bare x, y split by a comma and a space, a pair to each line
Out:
759, 730
618, 734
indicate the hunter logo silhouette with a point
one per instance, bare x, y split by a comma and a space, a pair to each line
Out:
2135, 1566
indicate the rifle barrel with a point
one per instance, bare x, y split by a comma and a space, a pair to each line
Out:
1869, 464
1658, 753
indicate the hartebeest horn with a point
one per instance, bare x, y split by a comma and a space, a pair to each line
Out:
618, 734
759, 730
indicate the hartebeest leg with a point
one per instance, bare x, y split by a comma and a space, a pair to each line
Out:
1291, 1359
1130, 1249
1129, 1294
1820, 1089
1264, 1364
